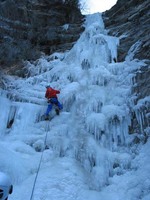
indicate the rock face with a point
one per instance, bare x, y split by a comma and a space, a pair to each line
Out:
130, 20
29, 27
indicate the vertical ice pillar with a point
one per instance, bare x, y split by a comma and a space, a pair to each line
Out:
4, 113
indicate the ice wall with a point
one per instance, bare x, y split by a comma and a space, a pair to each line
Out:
95, 92
4, 110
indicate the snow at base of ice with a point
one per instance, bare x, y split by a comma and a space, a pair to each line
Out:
86, 152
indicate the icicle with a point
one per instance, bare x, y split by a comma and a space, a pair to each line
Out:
11, 116
138, 117
95, 124
85, 64
5, 110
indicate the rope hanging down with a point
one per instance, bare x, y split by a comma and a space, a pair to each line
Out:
39, 166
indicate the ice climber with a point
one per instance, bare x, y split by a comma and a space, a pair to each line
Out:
6, 187
51, 95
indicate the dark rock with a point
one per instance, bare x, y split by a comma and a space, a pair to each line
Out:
130, 18
143, 79
115, 165
29, 27
136, 140
10, 123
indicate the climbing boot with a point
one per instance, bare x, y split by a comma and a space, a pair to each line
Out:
57, 111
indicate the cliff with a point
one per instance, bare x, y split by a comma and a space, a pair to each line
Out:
29, 27
130, 21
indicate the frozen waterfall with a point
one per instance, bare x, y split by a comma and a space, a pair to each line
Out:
87, 153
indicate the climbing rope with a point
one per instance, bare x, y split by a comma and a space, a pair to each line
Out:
39, 165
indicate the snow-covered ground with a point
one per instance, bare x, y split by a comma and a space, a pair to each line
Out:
87, 151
